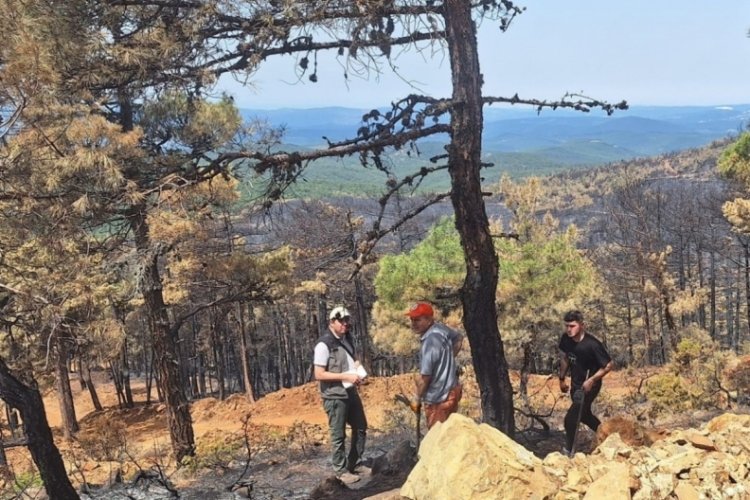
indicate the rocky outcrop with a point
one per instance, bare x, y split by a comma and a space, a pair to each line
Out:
461, 459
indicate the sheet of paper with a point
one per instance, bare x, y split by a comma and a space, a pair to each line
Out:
361, 373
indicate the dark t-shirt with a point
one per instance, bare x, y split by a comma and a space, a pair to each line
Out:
588, 354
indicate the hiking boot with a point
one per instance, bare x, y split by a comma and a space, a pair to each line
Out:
362, 469
348, 478
566, 452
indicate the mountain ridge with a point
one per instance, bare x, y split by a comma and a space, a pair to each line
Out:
518, 142
641, 130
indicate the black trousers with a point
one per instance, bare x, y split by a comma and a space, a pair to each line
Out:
587, 417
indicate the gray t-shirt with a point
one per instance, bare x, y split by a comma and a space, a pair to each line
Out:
437, 361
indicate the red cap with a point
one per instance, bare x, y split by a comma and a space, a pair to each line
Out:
420, 309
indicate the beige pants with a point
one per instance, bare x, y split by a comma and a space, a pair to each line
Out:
440, 412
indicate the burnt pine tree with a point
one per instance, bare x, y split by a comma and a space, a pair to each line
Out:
28, 400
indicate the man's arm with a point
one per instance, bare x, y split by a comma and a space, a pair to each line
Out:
321, 374
598, 375
564, 365
422, 383
458, 343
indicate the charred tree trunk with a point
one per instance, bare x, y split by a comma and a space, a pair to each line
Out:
701, 282
629, 321
464, 158
183, 362
202, 389
81, 377
6, 473
3, 457
280, 331
523, 388
125, 374
712, 307
165, 342
42, 447
118, 386
359, 295
244, 351
194, 359
85, 372
603, 322
646, 322
218, 350
64, 393
149, 375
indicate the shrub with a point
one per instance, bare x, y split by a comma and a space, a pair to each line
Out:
694, 377
28, 480
737, 375
215, 451
300, 439
105, 441
666, 392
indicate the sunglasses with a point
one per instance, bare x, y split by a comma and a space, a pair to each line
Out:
346, 319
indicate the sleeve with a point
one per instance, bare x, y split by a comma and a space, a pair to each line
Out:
321, 354
561, 344
429, 356
454, 336
601, 355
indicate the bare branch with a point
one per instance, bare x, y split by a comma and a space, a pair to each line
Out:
20, 292
375, 235
571, 101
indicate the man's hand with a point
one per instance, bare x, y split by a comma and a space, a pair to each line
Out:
563, 385
352, 378
578, 396
415, 405
588, 384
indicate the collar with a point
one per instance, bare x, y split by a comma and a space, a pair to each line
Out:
426, 332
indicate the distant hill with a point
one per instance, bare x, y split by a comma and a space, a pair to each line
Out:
523, 130
583, 190
518, 141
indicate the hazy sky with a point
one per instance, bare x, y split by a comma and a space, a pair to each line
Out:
655, 52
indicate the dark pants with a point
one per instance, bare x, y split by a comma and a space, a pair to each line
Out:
341, 412
587, 417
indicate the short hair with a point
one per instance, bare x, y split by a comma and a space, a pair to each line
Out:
576, 316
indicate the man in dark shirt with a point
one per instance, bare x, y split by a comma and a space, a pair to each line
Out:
589, 362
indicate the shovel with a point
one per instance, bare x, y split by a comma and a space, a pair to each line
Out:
403, 399
578, 397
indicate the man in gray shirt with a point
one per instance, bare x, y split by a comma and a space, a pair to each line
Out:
438, 384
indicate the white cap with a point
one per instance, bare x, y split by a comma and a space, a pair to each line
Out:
338, 313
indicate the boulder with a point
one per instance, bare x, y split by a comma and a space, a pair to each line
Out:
726, 421
461, 459
614, 484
